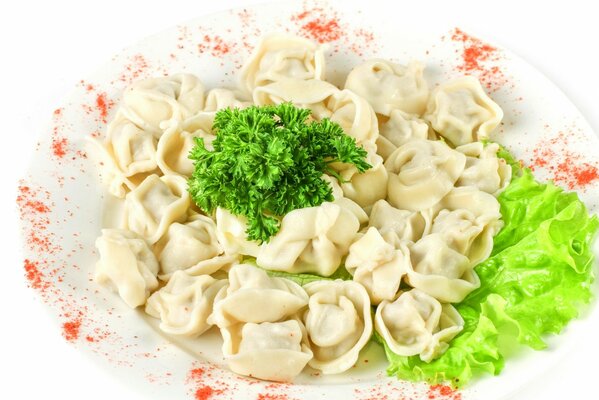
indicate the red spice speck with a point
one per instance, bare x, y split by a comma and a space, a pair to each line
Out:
34, 276
215, 45
443, 392
565, 166
477, 58
204, 393
317, 25
70, 329
268, 396
102, 106
58, 111
59, 146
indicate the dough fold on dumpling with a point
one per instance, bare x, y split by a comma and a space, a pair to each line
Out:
377, 264
440, 271
417, 324
185, 245
388, 86
155, 204
422, 172
172, 152
185, 303
126, 156
257, 317
311, 94
467, 221
149, 102
232, 236
403, 225
280, 56
312, 239
338, 322
127, 264
484, 169
461, 111
399, 129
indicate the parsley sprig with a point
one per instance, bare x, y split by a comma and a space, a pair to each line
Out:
268, 161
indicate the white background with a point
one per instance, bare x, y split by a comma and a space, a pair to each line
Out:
47, 47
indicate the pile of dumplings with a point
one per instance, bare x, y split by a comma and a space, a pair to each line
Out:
409, 230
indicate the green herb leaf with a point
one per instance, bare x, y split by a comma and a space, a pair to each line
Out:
268, 161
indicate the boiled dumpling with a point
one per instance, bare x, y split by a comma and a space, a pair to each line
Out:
220, 98
355, 116
232, 236
281, 56
398, 130
388, 86
262, 337
172, 154
126, 263
312, 239
422, 172
467, 221
404, 225
417, 324
366, 187
484, 169
311, 94
440, 271
461, 111
155, 204
184, 304
338, 322
126, 157
149, 102
377, 265
185, 245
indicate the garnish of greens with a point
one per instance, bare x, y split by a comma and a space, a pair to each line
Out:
268, 161
540, 272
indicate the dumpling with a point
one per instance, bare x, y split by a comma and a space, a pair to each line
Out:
172, 154
184, 304
262, 336
155, 204
310, 94
126, 157
406, 226
232, 236
467, 222
377, 265
280, 56
417, 324
461, 111
220, 98
338, 322
440, 271
398, 130
126, 263
275, 351
149, 102
344, 202
388, 86
312, 239
185, 245
367, 187
422, 172
484, 170
355, 116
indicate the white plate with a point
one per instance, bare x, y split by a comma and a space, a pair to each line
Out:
61, 207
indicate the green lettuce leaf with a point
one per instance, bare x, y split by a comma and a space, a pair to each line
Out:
303, 279
538, 276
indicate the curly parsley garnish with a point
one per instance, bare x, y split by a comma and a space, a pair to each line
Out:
268, 161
